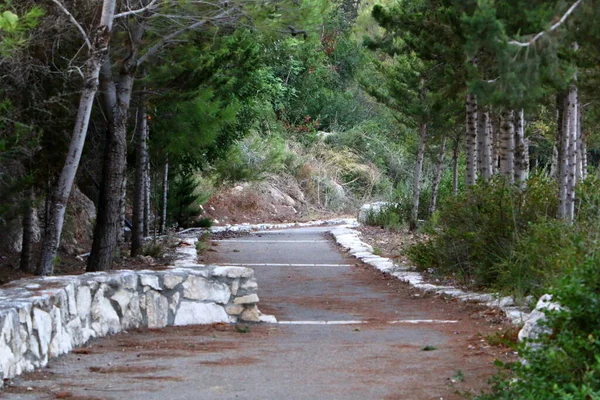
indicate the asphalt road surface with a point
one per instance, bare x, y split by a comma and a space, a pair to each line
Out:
345, 331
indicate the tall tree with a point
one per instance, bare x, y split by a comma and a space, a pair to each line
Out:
97, 46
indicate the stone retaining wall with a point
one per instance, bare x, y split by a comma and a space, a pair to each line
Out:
45, 317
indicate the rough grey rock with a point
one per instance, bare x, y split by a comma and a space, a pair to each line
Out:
200, 313
532, 328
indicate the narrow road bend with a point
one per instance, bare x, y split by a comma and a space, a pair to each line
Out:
345, 331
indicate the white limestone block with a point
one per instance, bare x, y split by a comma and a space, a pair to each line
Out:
84, 302
157, 309
233, 272
250, 284
234, 309
150, 281
248, 299
171, 280
61, 340
191, 313
250, 314
42, 323
105, 319
198, 288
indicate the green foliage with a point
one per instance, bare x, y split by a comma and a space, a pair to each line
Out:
15, 30
183, 205
154, 249
204, 223
252, 158
394, 216
563, 364
489, 226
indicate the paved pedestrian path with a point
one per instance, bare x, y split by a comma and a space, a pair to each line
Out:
345, 331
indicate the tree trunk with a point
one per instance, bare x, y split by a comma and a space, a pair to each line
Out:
122, 208
582, 149
583, 152
484, 158
493, 144
417, 177
563, 139
147, 188
65, 181
108, 222
471, 142
28, 215
573, 149
437, 178
521, 152
165, 191
507, 145
455, 166
139, 197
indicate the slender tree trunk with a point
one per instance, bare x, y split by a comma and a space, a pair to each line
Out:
554, 164
147, 188
28, 216
455, 153
165, 191
471, 142
563, 139
65, 181
581, 148
583, 153
507, 145
573, 113
484, 157
493, 144
139, 197
438, 177
417, 177
521, 152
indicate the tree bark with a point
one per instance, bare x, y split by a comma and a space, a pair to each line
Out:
493, 144
64, 185
139, 197
437, 177
147, 188
563, 139
573, 149
521, 152
484, 157
471, 142
507, 145
165, 191
26, 246
108, 222
417, 177
455, 153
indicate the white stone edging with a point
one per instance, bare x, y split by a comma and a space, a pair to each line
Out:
263, 227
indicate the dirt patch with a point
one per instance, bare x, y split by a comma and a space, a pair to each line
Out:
158, 378
125, 369
231, 361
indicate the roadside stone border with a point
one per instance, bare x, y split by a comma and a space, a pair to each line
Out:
45, 317
349, 239
264, 227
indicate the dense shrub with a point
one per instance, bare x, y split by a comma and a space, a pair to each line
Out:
479, 232
565, 363
393, 216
